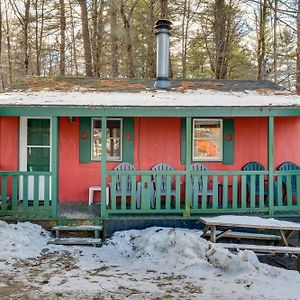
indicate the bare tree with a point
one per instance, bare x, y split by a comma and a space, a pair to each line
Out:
261, 45
97, 35
86, 38
126, 17
298, 50
1, 66
62, 46
151, 41
9, 51
24, 19
73, 38
113, 36
221, 33
164, 9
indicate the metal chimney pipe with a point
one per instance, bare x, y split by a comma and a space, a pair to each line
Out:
162, 55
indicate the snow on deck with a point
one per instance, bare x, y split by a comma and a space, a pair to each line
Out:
190, 98
155, 263
245, 221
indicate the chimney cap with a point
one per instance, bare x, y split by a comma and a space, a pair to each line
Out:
163, 24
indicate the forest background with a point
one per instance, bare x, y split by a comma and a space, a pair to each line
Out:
222, 39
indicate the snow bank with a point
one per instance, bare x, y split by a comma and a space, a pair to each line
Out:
21, 240
179, 248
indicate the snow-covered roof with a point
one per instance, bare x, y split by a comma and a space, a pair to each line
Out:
92, 92
190, 98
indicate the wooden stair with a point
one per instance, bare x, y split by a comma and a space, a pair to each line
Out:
94, 241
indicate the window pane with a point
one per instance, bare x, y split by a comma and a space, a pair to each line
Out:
38, 159
113, 141
207, 148
207, 129
38, 132
207, 135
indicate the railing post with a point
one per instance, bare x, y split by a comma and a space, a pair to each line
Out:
188, 158
271, 164
54, 167
103, 167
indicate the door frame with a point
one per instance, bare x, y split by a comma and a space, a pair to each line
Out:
23, 159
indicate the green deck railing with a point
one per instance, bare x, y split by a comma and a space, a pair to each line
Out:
140, 192
26, 194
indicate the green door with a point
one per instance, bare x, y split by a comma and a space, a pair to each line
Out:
35, 153
38, 145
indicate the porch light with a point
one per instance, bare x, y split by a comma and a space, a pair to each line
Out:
71, 119
162, 54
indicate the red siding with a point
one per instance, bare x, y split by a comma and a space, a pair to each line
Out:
9, 143
9, 147
158, 139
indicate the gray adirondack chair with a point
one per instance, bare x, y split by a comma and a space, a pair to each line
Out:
163, 188
288, 166
125, 166
254, 166
198, 180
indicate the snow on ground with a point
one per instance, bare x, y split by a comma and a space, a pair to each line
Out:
155, 263
197, 98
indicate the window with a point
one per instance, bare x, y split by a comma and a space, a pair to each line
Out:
113, 140
207, 139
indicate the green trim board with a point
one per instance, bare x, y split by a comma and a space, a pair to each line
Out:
54, 164
71, 111
128, 140
85, 140
228, 141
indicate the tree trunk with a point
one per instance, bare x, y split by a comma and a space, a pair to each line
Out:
9, 52
261, 51
114, 40
98, 28
220, 40
99, 37
86, 38
298, 51
73, 50
1, 66
62, 46
275, 39
25, 28
164, 9
128, 42
94, 36
151, 42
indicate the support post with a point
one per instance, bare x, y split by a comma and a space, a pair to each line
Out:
54, 167
271, 164
188, 157
103, 167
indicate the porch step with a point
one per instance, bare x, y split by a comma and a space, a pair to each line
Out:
76, 241
95, 229
78, 228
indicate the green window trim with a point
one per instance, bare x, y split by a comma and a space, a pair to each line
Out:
85, 140
228, 142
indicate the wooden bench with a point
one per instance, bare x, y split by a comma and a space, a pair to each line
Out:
260, 248
239, 235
